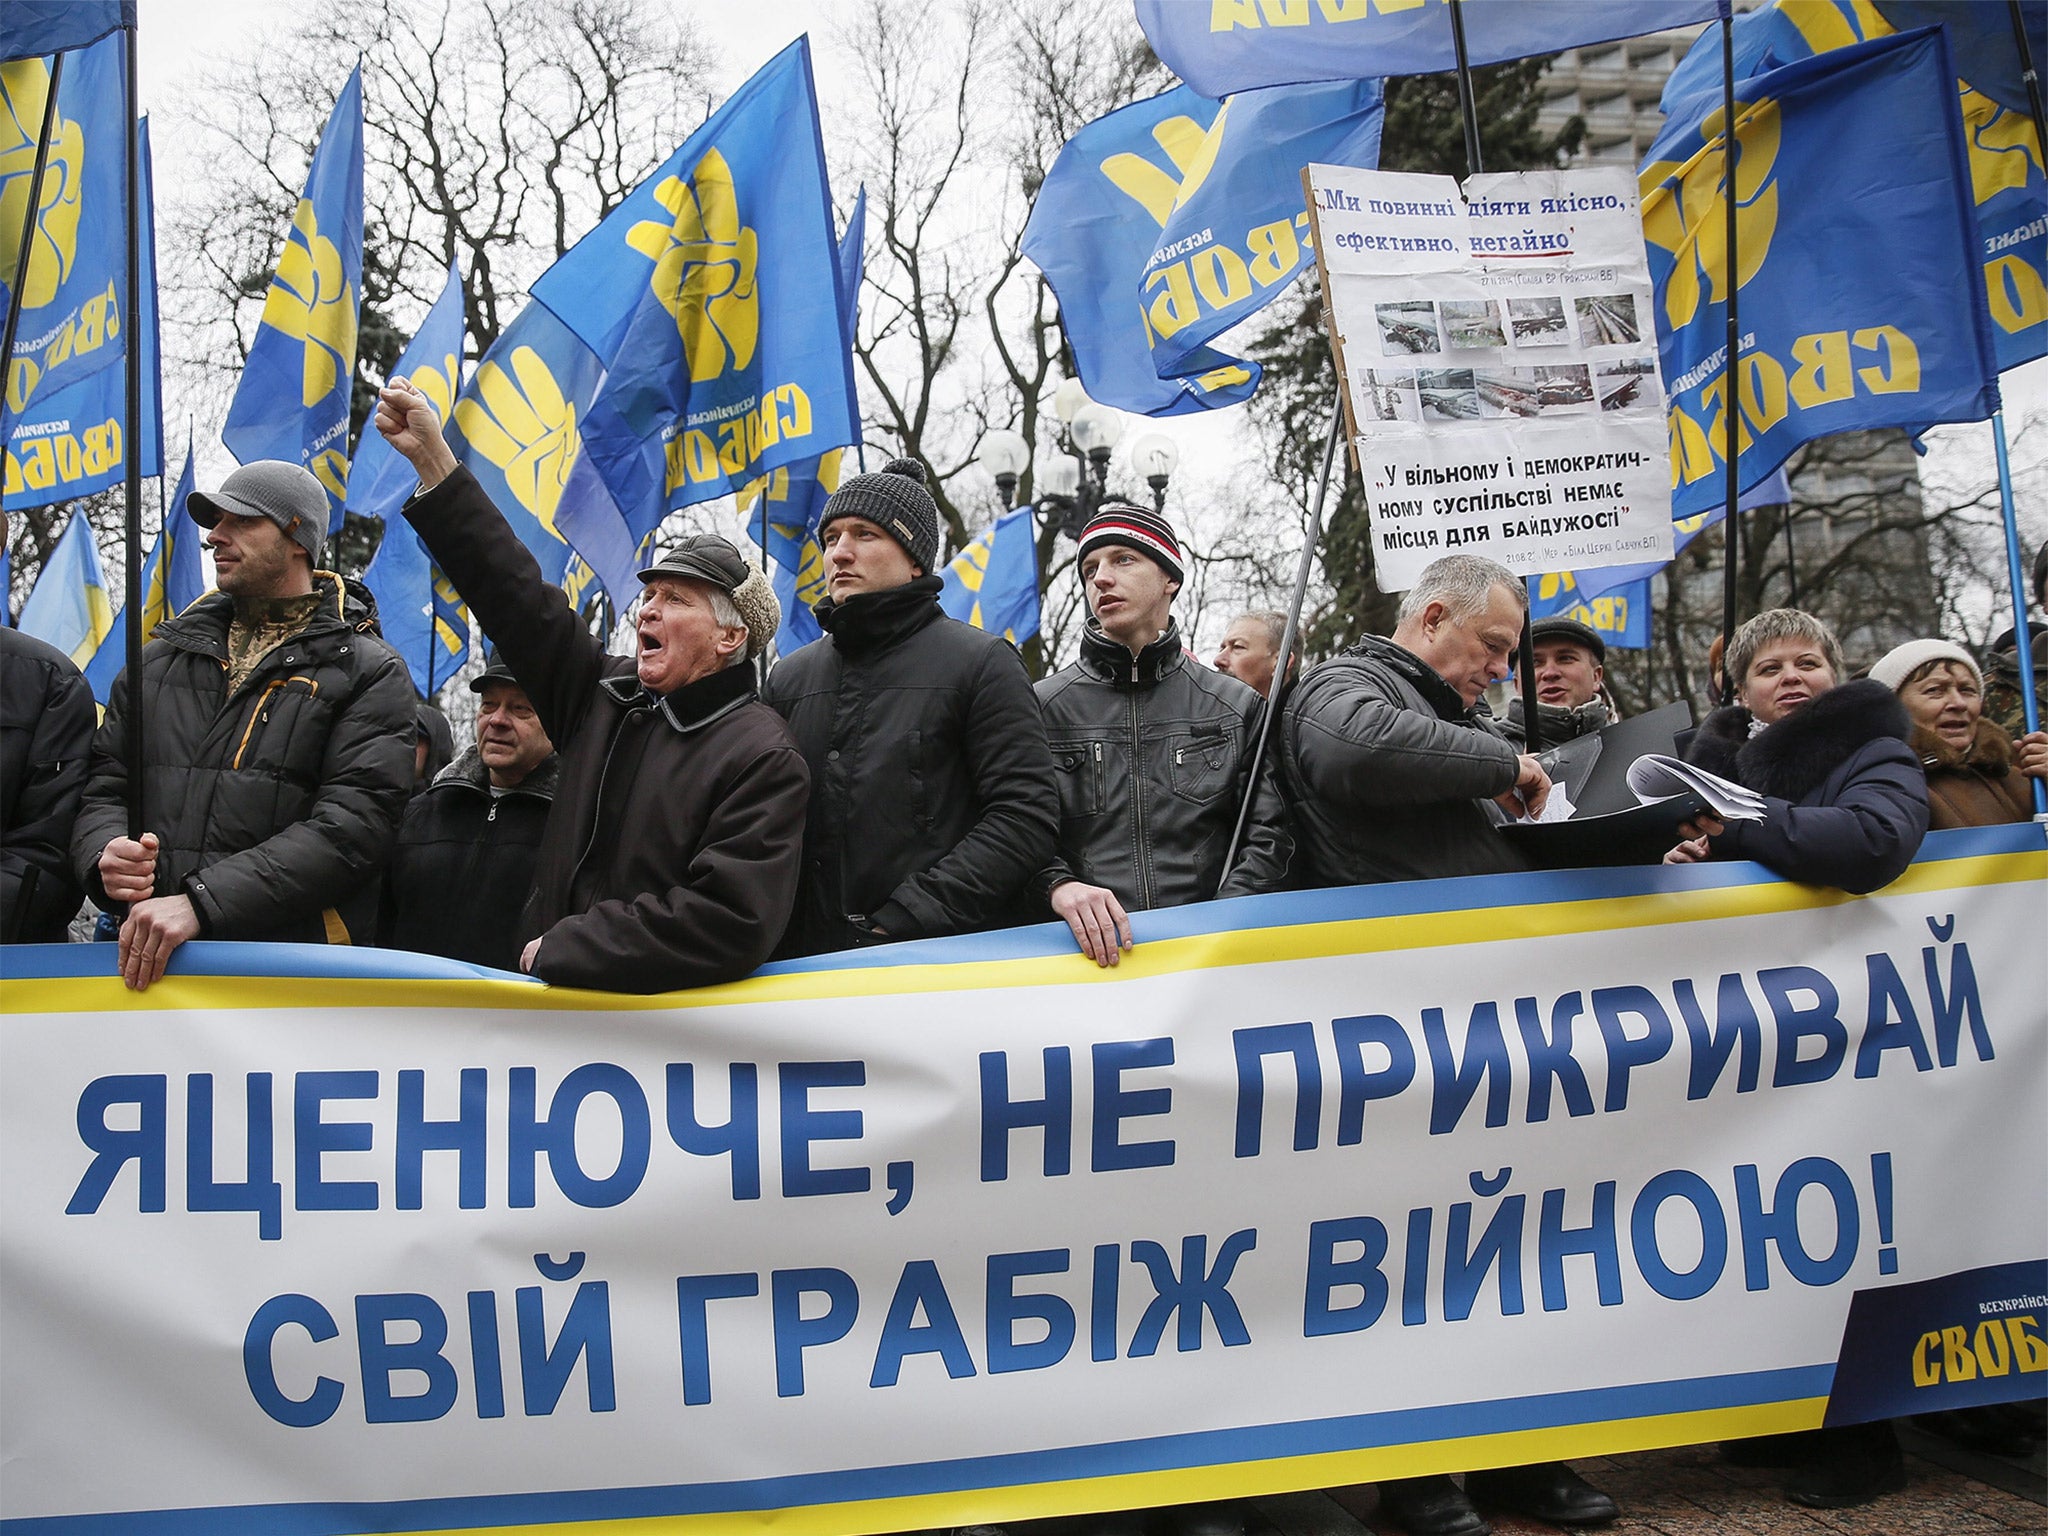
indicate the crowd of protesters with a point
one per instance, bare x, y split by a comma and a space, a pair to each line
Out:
666, 819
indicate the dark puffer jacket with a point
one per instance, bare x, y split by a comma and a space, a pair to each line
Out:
275, 805
1153, 757
933, 800
463, 868
46, 724
1845, 799
670, 858
1389, 775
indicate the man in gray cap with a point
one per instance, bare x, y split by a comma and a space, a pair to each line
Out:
933, 798
670, 854
276, 746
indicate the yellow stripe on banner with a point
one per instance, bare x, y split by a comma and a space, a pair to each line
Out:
1183, 1485
1159, 957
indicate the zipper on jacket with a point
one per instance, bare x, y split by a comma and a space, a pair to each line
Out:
1144, 857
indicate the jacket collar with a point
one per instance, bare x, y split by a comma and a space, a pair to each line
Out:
1111, 661
692, 706
1989, 751
870, 620
1426, 680
468, 772
203, 626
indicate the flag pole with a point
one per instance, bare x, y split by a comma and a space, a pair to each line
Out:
2023, 652
1525, 659
1731, 371
1288, 635
131, 434
26, 250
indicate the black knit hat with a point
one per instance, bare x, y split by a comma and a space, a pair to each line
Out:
1127, 523
893, 499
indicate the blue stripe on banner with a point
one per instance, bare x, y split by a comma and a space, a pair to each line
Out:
1475, 893
1163, 1454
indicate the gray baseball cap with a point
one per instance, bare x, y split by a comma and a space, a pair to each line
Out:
287, 494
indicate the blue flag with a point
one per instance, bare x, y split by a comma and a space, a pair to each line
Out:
1093, 230
2007, 182
1980, 40
1775, 490
1620, 617
293, 401
1857, 251
712, 297
1236, 233
517, 425
993, 582
29, 27
71, 319
68, 607
173, 579
71, 441
422, 620
784, 506
1223, 46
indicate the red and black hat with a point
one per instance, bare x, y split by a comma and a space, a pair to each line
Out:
1124, 522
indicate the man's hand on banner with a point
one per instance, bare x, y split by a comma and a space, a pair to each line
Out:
1101, 926
407, 421
153, 930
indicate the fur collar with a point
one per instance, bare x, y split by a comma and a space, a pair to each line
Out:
1989, 751
468, 772
1795, 756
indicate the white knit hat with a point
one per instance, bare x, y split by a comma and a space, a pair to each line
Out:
1901, 662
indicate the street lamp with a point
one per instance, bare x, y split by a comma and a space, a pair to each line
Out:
1155, 456
1004, 455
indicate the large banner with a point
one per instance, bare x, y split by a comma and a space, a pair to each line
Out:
1312, 1189
1499, 366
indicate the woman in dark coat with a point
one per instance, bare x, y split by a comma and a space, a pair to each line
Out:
1845, 806
1846, 801
1976, 774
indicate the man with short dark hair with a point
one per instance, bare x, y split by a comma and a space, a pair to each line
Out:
1571, 666
933, 801
469, 842
1154, 754
670, 855
278, 749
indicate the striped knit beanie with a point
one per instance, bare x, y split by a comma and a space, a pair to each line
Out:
1123, 522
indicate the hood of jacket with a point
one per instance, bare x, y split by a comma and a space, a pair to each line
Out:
1110, 661
468, 771
204, 625
870, 621
1794, 756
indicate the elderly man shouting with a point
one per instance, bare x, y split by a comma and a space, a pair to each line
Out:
671, 853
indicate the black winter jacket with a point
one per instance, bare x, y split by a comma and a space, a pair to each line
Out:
1389, 775
670, 858
46, 723
1845, 797
1153, 757
463, 868
275, 806
933, 799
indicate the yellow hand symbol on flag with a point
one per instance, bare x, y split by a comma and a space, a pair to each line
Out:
704, 268
522, 424
24, 89
1685, 212
310, 301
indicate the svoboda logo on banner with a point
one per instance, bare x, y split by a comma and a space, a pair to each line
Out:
24, 94
704, 268
1686, 213
524, 424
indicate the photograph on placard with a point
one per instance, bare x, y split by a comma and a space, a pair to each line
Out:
1470, 323
1538, 321
1449, 394
1608, 319
1391, 394
1408, 327
1620, 384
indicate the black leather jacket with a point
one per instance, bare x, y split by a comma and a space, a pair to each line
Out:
1153, 756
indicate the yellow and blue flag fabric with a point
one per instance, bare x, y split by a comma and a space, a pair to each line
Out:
1621, 617
993, 582
2008, 187
71, 316
31, 27
1857, 259
713, 298
1236, 233
1223, 46
173, 579
1775, 490
66, 435
783, 506
422, 620
1165, 222
293, 401
68, 607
